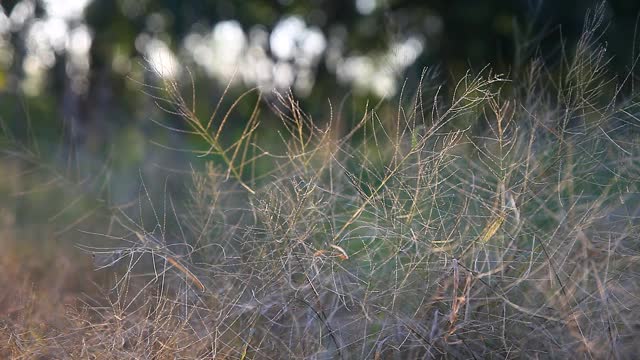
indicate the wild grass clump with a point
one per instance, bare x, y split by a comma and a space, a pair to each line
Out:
401, 237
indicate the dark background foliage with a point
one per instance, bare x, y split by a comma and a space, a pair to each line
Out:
453, 35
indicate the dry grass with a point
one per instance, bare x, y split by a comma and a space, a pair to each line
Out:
402, 238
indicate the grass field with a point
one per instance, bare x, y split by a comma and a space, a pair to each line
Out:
408, 235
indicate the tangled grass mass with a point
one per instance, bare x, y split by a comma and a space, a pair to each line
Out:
408, 235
